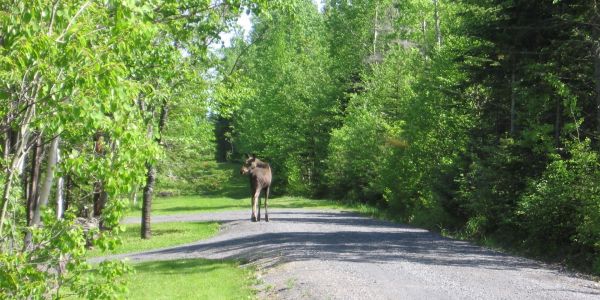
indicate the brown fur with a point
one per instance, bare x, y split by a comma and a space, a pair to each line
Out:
260, 176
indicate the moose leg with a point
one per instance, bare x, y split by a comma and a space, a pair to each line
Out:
254, 200
258, 215
266, 205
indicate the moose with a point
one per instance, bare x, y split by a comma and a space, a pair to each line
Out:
260, 176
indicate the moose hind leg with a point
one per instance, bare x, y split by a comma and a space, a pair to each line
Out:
254, 200
266, 205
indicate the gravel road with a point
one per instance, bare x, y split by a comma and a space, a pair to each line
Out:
326, 254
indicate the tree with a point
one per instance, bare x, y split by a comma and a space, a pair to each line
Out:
60, 76
87, 78
284, 113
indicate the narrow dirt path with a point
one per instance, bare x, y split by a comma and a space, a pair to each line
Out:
322, 254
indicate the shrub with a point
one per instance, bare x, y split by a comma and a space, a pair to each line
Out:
561, 209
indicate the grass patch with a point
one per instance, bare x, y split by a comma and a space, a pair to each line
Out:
191, 279
232, 194
163, 235
203, 203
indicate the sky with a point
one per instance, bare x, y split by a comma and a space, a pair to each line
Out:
245, 22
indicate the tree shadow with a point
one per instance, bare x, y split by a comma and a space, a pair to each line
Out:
180, 266
351, 237
352, 246
191, 208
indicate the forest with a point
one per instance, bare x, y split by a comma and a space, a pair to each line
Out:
476, 118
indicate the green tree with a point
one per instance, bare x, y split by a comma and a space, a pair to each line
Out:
60, 76
93, 81
285, 115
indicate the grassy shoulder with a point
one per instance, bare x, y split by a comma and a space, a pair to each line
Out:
230, 192
163, 235
202, 203
191, 279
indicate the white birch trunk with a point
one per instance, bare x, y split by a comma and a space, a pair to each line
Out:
60, 200
375, 23
436, 16
47, 185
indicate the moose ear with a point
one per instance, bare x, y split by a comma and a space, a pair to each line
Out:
246, 155
253, 155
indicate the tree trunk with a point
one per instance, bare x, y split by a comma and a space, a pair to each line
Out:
557, 124
100, 196
5, 196
20, 141
46, 187
134, 195
68, 192
7, 146
36, 162
436, 16
513, 100
20, 150
146, 231
595, 19
33, 186
375, 23
423, 32
59, 191
596, 55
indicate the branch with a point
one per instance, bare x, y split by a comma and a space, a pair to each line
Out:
237, 59
192, 11
72, 21
54, 7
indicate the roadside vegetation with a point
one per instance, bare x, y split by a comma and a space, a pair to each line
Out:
478, 118
191, 279
197, 204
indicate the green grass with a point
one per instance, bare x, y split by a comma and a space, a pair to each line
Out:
191, 279
234, 194
202, 203
163, 235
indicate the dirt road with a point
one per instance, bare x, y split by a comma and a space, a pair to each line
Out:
315, 254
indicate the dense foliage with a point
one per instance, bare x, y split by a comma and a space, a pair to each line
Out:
481, 117
91, 95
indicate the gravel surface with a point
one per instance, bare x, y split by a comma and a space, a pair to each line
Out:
326, 254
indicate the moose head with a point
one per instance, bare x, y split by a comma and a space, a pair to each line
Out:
249, 164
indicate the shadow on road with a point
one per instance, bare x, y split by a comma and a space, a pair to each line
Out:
344, 237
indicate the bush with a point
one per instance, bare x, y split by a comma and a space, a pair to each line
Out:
54, 265
193, 177
491, 185
355, 156
561, 210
